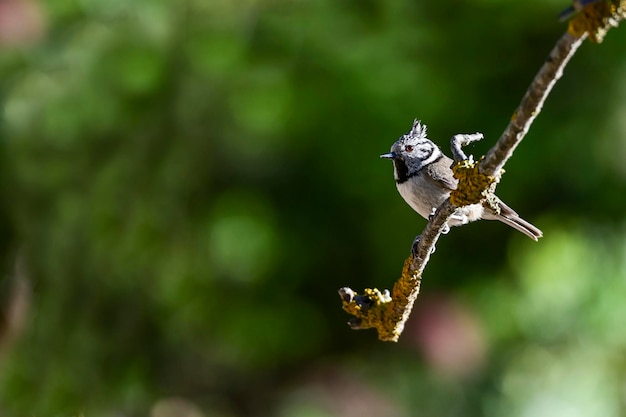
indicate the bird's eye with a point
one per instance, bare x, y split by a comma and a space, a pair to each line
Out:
408, 148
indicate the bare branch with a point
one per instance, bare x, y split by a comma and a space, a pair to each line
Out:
531, 104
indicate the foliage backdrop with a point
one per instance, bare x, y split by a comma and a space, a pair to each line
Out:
187, 183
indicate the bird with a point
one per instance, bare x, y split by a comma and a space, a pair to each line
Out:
424, 179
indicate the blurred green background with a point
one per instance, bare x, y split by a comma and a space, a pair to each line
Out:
186, 184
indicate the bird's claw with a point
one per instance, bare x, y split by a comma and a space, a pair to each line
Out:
415, 245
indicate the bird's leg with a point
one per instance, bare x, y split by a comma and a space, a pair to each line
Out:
416, 242
459, 218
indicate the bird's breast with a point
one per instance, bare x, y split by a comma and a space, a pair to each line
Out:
421, 194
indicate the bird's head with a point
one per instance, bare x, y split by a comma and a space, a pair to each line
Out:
412, 152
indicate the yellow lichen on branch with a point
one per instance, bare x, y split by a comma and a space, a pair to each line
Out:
596, 18
376, 309
473, 186
368, 308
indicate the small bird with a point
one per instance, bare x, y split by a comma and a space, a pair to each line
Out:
424, 179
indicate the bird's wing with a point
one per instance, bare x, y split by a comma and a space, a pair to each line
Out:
444, 179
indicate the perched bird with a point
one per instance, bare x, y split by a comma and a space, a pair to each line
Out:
424, 179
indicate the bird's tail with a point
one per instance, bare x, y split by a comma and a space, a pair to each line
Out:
517, 223
509, 217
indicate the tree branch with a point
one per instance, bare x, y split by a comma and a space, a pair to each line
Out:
532, 103
477, 180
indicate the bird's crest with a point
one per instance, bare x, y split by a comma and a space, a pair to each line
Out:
418, 130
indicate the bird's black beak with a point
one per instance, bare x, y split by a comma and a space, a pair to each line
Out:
390, 155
